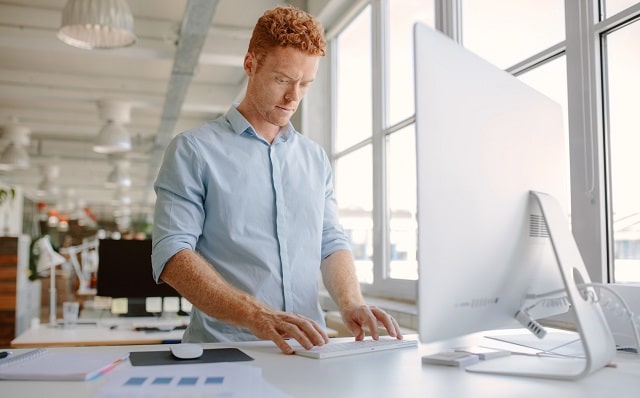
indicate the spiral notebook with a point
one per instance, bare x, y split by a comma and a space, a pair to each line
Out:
47, 364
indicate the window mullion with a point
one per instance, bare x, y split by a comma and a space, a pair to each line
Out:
584, 80
449, 18
379, 109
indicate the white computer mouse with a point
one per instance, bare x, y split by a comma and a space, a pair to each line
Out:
187, 350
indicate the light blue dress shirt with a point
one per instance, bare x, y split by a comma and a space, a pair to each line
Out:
263, 214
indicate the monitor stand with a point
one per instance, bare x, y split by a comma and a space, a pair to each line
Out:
597, 340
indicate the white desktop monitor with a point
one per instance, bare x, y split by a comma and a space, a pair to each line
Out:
484, 142
484, 139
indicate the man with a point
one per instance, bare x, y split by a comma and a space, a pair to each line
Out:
245, 212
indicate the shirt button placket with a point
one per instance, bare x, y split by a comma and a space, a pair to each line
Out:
281, 227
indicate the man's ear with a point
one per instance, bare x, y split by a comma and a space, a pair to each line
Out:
250, 64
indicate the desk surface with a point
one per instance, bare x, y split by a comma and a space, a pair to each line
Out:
397, 373
106, 331
102, 332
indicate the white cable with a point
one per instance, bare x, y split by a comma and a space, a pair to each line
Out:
625, 311
620, 308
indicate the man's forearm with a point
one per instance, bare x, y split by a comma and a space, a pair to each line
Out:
340, 279
198, 282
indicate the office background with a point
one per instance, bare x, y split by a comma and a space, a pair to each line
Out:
580, 53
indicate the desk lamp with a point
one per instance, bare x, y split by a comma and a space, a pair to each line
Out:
88, 251
49, 259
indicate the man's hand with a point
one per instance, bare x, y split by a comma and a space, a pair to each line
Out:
362, 317
277, 326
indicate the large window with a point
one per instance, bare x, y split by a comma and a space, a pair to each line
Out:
373, 147
582, 54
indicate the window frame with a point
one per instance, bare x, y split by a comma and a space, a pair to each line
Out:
592, 211
602, 29
382, 285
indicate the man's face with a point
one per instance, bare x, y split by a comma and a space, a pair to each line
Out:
277, 86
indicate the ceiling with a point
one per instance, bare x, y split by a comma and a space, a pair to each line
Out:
184, 68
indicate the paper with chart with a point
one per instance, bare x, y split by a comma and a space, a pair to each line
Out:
226, 380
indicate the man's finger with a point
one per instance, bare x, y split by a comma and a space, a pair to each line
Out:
314, 331
283, 345
389, 323
371, 322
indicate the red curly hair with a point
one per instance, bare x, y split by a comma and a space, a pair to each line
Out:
287, 27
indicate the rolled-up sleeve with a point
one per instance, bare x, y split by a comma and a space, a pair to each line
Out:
179, 209
333, 235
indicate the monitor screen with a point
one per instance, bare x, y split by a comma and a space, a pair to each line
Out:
124, 270
484, 140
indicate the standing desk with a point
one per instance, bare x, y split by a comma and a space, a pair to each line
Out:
392, 374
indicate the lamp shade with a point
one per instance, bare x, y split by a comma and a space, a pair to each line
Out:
118, 177
113, 138
14, 157
48, 187
122, 196
48, 258
94, 24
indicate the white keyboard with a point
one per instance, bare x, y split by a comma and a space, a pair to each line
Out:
355, 347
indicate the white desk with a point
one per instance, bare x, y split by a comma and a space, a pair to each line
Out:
103, 332
106, 331
397, 373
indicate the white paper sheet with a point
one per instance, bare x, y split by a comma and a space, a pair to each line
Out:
560, 343
226, 380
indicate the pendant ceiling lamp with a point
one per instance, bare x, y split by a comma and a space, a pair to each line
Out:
113, 136
122, 196
96, 24
48, 187
119, 176
15, 155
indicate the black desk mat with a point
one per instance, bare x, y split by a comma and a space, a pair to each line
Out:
210, 355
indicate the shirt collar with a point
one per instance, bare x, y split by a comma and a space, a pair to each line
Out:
240, 125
